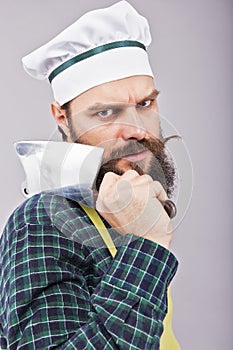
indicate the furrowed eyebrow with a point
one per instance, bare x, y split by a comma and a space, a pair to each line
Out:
102, 106
151, 96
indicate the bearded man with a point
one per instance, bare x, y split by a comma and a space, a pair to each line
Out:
72, 294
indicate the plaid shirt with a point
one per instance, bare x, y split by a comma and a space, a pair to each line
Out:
63, 293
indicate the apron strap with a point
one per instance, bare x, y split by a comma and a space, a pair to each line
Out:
99, 225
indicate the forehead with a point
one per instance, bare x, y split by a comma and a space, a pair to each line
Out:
128, 90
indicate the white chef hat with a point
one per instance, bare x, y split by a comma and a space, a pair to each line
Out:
101, 46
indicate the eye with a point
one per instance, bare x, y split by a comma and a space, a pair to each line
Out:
105, 114
145, 104
109, 113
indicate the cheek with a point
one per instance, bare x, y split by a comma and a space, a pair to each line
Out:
85, 131
102, 136
153, 127
157, 132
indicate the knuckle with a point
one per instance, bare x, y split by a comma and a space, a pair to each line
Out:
159, 187
158, 184
130, 172
110, 175
147, 177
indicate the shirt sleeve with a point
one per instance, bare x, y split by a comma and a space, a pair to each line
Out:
46, 303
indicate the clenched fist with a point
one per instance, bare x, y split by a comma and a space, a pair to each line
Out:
131, 204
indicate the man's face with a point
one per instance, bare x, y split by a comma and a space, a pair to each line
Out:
94, 122
118, 116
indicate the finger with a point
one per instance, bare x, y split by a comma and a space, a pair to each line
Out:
128, 181
144, 179
158, 191
128, 184
106, 191
109, 180
139, 181
129, 175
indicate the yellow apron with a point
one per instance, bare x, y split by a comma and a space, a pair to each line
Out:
168, 340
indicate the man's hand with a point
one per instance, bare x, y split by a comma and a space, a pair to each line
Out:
131, 204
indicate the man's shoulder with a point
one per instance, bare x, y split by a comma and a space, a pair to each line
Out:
46, 219
43, 210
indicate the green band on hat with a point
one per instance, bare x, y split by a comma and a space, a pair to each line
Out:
92, 52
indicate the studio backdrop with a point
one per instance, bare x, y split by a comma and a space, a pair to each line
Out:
191, 56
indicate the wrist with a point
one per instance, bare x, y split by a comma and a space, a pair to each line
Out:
164, 241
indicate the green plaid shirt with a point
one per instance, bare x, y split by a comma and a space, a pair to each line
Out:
61, 289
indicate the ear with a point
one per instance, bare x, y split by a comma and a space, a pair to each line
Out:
61, 119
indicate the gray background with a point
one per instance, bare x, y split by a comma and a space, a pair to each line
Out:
191, 56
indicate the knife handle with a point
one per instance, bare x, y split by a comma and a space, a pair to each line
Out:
170, 208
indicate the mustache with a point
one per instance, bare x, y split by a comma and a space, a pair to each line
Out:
154, 145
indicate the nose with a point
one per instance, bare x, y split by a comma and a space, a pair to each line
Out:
132, 127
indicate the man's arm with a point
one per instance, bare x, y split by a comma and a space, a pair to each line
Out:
46, 300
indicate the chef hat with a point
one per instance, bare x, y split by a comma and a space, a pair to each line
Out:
101, 46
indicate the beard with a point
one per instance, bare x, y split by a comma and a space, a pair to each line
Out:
161, 166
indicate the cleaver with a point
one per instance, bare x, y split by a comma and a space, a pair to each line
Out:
66, 169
